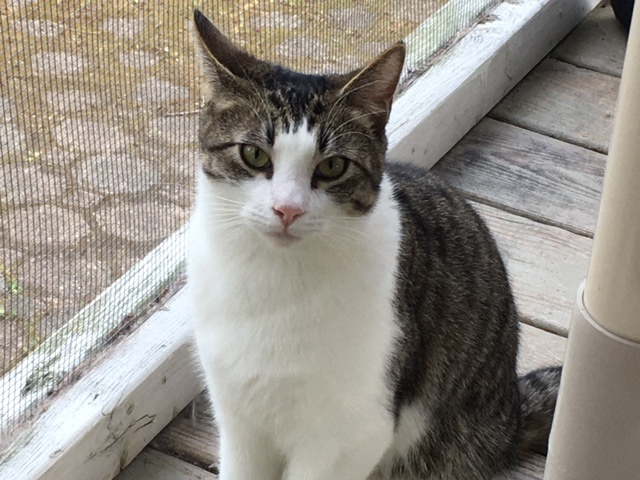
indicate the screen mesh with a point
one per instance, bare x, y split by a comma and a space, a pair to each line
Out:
98, 119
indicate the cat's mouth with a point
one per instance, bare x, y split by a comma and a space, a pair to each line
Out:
283, 238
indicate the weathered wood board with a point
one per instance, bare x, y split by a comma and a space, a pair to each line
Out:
470, 78
539, 349
546, 265
564, 102
192, 435
154, 465
598, 43
100, 423
526, 173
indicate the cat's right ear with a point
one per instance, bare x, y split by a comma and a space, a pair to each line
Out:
222, 62
371, 89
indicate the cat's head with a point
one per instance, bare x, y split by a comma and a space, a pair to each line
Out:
291, 154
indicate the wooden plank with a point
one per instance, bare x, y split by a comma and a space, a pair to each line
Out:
539, 349
546, 265
154, 465
523, 172
468, 80
598, 43
564, 102
193, 436
434, 33
99, 424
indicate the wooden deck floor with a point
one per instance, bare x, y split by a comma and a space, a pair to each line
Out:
534, 169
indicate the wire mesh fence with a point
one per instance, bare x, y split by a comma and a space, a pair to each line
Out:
98, 122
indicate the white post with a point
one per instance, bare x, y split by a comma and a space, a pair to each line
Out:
596, 430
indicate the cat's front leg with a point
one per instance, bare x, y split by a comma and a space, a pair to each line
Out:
247, 457
338, 458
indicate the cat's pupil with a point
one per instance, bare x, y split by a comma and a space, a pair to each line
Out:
332, 167
253, 156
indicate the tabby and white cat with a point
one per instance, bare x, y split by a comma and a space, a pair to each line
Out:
353, 316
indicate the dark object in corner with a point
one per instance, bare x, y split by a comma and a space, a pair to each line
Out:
623, 10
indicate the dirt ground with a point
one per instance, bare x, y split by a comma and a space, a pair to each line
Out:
98, 104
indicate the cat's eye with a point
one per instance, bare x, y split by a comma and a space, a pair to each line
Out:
331, 168
254, 157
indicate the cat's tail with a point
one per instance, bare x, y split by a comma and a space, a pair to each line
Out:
538, 395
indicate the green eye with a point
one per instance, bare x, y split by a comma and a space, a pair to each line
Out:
254, 157
332, 167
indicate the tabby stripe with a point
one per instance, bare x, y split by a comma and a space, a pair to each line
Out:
213, 176
372, 181
220, 146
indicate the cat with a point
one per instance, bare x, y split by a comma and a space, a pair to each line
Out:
353, 316
623, 10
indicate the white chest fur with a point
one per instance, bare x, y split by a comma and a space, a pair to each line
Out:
291, 335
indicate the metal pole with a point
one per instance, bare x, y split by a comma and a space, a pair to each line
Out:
596, 430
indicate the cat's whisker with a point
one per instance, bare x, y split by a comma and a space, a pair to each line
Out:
230, 230
264, 105
350, 235
356, 237
173, 184
225, 208
226, 199
233, 209
337, 248
221, 205
220, 225
344, 245
344, 96
225, 216
357, 118
336, 245
257, 114
266, 108
334, 138
359, 239
354, 241
348, 222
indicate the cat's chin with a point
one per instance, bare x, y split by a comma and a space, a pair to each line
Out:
283, 239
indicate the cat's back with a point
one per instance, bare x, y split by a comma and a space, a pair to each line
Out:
440, 226
447, 251
426, 201
453, 299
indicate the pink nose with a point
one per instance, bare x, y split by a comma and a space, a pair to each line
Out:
288, 213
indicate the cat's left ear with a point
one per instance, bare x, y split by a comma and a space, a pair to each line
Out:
223, 62
372, 88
